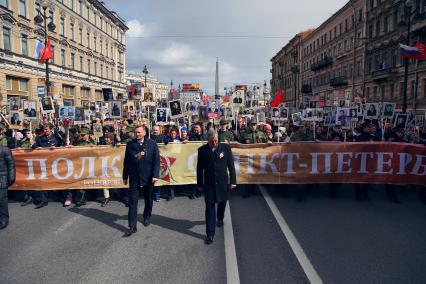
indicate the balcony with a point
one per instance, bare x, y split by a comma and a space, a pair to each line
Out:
339, 81
322, 63
382, 75
306, 89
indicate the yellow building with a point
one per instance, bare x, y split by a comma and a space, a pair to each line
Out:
88, 47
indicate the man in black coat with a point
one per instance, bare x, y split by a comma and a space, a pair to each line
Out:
142, 169
7, 178
214, 162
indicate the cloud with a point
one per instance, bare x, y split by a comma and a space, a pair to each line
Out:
137, 29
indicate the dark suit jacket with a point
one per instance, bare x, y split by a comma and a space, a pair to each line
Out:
212, 172
147, 167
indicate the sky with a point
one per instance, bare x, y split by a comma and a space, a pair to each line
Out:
180, 40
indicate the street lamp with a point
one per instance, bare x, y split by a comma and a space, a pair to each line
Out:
39, 19
408, 6
145, 71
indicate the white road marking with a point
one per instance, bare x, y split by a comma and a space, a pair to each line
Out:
74, 219
232, 274
294, 244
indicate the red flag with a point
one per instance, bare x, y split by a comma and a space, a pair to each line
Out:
46, 52
279, 98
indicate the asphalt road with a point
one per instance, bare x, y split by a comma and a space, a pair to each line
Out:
346, 241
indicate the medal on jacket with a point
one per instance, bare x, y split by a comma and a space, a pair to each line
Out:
221, 155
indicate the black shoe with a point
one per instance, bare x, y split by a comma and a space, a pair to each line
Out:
146, 221
192, 196
219, 223
170, 198
41, 205
130, 232
27, 201
208, 240
3, 225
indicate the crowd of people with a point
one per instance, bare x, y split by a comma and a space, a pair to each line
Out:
54, 133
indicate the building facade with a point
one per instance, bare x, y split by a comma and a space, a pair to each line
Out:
286, 66
333, 58
88, 46
387, 27
355, 56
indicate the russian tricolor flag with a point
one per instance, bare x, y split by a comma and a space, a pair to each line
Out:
413, 52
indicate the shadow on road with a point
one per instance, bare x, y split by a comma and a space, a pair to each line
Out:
110, 219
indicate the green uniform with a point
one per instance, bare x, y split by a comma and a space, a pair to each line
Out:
84, 143
250, 137
301, 137
4, 140
225, 136
25, 144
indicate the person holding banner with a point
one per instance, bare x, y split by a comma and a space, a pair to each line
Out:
7, 178
215, 161
142, 169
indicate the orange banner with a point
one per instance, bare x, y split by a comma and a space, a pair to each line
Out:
278, 163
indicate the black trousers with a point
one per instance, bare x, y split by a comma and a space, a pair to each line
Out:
40, 196
4, 209
133, 202
211, 216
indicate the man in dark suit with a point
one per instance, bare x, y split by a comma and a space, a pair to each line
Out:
214, 162
7, 178
142, 168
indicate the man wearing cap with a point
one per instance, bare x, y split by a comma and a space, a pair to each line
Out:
224, 134
301, 134
253, 136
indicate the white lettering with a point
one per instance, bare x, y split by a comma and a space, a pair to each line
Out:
404, 160
31, 175
270, 163
381, 162
91, 161
363, 162
342, 162
70, 168
419, 165
249, 162
112, 166
290, 156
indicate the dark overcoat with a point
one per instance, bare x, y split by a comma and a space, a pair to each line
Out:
212, 172
147, 167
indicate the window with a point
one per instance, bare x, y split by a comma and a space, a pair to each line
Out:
424, 88
8, 83
72, 31
106, 48
23, 85
63, 57
81, 63
88, 40
4, 3
6, 39
88, 66
62, 28
102, 70
22, 8
37, 8
53, 53
72, 60
72, 4
51, 16
85, 93
96, 68
392, 87
94, 43
378, 27
79, 8
101, 44
80, 35
106, 72
24, 45
385, 24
